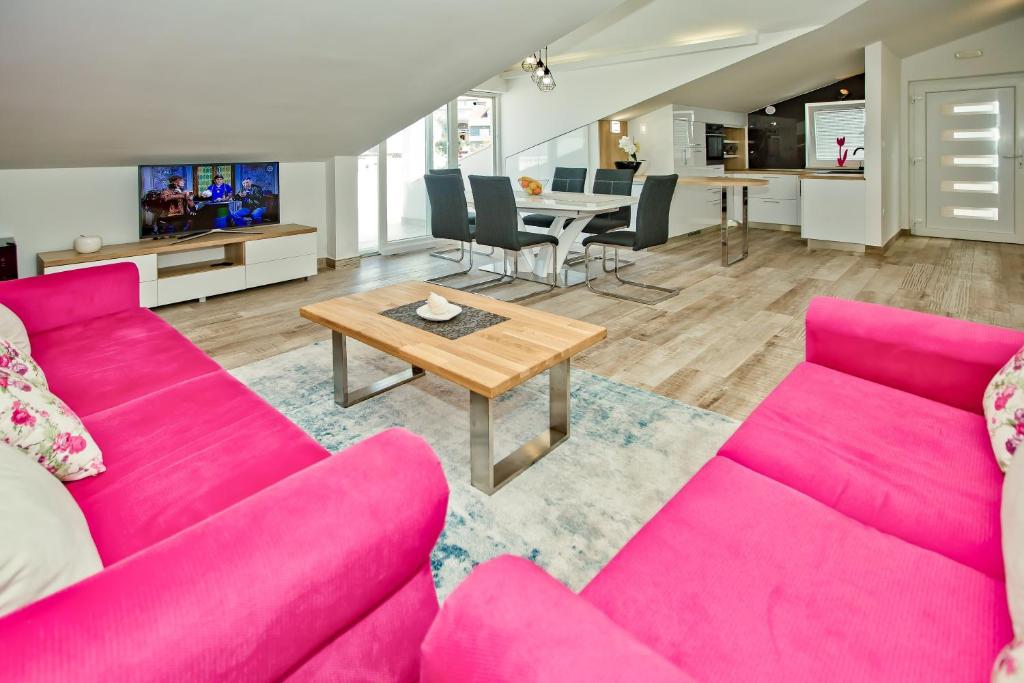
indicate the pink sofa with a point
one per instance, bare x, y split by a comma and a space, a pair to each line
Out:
234, 546
848, 531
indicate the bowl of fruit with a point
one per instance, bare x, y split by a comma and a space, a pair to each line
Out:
531, 186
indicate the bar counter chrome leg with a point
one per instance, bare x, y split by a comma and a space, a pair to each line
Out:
489, 475
744, 228
346, 397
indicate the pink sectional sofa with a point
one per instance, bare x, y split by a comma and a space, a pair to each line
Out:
848, 531
234, 546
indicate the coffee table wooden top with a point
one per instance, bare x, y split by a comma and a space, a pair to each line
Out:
488, 362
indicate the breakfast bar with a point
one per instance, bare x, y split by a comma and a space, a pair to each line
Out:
726, 183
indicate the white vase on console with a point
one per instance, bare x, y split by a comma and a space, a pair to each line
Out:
87, 244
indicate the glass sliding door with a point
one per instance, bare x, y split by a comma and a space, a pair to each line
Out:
408, 155
476, 130
393, 209
406, 204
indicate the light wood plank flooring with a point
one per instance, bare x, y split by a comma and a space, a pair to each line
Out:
729, 337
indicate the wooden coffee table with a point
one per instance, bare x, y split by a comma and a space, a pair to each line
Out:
487, 362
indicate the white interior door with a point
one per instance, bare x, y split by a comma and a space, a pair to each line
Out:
966, 169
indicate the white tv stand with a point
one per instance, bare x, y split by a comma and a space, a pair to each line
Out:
173, 270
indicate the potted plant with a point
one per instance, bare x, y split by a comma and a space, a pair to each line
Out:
631, 148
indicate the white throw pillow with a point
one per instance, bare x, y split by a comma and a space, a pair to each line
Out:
12, 328
46, 543
1012, 521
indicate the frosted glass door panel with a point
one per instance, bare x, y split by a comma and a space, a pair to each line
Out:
970, 170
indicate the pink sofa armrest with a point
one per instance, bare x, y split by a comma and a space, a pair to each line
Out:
45, 302
945, 360
254, 591
510, 621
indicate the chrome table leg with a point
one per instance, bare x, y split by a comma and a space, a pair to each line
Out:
489, 475
346, 397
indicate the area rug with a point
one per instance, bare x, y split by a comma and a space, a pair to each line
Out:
630, 451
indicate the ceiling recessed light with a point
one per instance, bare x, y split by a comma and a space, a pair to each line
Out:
770, 109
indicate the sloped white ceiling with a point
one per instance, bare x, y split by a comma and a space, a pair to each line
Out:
834, 51
121, 83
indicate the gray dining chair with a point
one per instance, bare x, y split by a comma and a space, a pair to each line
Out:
461, 249
564, 180
497, 225
449, 216
651, 230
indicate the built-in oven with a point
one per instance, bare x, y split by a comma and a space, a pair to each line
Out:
714, 143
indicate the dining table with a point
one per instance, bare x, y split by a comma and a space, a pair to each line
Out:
572, 211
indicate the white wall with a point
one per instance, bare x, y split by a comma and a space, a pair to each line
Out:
882, 143
653, 132
343, 203
585, 95
1002, 54
45, 209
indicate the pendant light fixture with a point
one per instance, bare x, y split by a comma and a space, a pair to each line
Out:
541, 75
530, 63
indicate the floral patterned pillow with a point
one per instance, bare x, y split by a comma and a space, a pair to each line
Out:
20, 363
39, 424
1004, 410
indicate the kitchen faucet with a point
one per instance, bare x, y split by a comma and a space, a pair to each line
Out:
859, 149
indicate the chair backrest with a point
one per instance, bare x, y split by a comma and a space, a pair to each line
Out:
497, 219
615, 181
449, 216
569, 179
652, 211
446, 171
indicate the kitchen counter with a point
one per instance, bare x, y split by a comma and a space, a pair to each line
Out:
832, 176
773, 171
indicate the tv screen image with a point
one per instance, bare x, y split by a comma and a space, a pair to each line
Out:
185, 199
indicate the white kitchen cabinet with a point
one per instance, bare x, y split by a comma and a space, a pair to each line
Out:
777, 202
833, 210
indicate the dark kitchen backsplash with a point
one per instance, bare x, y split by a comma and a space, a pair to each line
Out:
777, 141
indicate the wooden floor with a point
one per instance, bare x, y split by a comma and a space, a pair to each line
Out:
729, 337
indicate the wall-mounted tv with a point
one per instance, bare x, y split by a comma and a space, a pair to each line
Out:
178, 200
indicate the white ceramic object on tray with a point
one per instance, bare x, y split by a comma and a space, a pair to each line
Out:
424, 312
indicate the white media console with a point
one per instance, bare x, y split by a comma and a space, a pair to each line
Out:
171, 271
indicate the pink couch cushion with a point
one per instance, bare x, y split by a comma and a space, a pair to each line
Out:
905, 465
178, 455
103, 362
741, 578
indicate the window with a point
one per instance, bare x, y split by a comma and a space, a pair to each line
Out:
828, 124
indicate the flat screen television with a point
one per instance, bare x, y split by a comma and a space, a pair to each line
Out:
183, 200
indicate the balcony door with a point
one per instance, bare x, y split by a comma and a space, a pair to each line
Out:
966, 166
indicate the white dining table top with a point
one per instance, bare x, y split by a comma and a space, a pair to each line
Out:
576, 202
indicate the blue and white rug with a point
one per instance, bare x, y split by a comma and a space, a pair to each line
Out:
629, 452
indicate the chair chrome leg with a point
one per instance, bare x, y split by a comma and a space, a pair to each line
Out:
551, 284
668, 292
502, 279
442, 278
442, 253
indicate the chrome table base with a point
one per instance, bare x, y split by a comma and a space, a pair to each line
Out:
346, 397
488, 474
